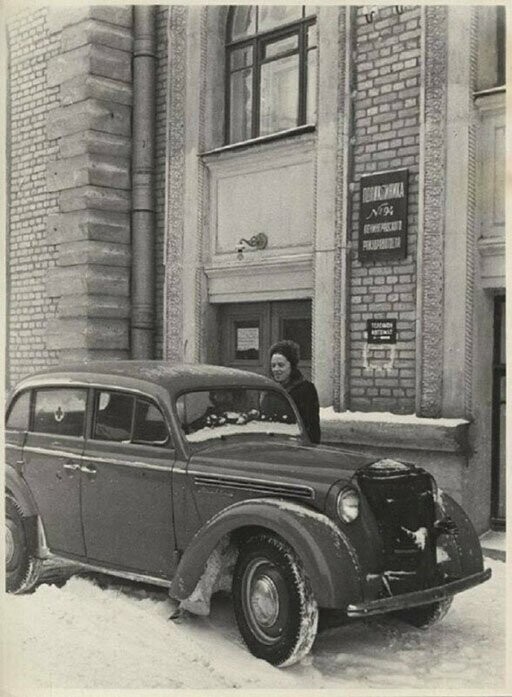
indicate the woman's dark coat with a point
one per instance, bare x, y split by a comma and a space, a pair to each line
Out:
305, 396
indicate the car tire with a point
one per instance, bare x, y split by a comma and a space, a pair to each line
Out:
425, 616
22, 569
275, 608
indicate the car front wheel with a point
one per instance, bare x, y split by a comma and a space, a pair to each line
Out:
21, 568
275, 608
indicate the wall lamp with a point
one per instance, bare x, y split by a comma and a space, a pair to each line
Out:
258, 241
370, 11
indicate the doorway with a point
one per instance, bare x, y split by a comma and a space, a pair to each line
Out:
248, 330
498, 487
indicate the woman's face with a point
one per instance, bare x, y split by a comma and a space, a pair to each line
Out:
280, 367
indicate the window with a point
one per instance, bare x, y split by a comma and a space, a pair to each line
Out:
223, 412
271, 65
60, 411
125, 419
19, 413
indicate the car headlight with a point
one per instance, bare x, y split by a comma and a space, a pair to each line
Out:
347, 505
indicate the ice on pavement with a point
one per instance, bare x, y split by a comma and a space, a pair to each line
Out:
82, 635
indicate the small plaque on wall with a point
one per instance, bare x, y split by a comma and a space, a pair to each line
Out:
381, 331
383, 215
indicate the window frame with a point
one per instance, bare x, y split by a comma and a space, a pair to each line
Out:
95, 393
15, 399
47, 388
258, 41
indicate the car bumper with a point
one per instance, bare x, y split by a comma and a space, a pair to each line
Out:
423, 597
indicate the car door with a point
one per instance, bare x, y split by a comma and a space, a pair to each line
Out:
127, 486
51, 464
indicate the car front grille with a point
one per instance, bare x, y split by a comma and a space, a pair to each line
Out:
402, 500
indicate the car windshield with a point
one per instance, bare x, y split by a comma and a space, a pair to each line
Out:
223, 412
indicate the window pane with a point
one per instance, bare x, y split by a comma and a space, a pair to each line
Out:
311, 95
247, 340
298, 330
240, 106
271, 16
241, 58
223, 413
279, 95
274, 48
149, 426
113, 419
244, 22
60, 412
18, 416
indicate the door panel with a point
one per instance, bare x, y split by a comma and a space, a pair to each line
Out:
127, 506
248, 330
51, 464
52, 471
498, 494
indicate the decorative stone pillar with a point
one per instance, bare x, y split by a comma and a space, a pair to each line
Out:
92, 177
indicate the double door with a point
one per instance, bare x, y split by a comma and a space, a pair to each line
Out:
248, 330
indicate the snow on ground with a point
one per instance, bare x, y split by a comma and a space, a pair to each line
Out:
327, 414
103, 633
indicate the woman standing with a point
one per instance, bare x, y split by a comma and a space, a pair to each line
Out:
284, 359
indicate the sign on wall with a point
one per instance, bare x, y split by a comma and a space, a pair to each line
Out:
381, 331
383, 215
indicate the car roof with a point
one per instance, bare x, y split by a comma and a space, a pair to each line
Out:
174, 378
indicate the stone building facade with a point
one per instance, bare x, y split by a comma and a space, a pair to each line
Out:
253, 228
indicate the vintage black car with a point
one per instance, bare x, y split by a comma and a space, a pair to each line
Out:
185, 476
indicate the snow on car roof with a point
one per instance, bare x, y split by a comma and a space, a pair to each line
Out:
172, 376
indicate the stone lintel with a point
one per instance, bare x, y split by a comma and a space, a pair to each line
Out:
94, 306
60, 16
88, 279
88, 333
104, 226
91, 59
81, 87
98, 170
100, 198
90, 114
94, 252
94, 31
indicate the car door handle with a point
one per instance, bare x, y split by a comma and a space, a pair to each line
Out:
89, 469
72, 466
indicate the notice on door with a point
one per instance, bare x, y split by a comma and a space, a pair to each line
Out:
247, 338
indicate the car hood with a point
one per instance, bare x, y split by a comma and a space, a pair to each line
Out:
279, 462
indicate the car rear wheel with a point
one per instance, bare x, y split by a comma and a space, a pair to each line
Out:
425, 616
275, 608
21, 568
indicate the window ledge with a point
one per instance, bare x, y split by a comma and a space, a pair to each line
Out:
280, 135
492, 90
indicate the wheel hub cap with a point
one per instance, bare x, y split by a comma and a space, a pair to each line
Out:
265, 601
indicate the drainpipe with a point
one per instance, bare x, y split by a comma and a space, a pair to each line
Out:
143, 148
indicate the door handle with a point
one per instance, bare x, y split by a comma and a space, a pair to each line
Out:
71, 466
89, 469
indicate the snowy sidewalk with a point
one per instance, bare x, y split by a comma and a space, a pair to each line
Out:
83, 636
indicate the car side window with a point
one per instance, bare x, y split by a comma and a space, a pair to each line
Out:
60, 411
113, 415
149, 426
19, 414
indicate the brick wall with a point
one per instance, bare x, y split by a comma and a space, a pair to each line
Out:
160, 135
386, 136
30, 203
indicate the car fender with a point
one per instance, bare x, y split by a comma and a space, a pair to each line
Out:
18, 490
17, 487
329, 559
464, 543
